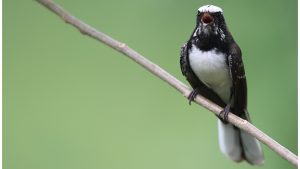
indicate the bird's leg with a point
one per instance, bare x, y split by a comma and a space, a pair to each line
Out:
223, 115
192, 95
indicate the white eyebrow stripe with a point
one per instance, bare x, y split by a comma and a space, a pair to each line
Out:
210, 8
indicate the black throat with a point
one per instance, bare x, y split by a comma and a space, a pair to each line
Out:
206, 43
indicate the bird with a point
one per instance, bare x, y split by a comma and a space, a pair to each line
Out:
212, 63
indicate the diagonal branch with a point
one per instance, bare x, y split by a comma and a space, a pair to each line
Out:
171, 80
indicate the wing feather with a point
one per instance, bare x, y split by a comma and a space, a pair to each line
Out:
239, 88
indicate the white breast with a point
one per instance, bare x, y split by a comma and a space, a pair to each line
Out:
210, 67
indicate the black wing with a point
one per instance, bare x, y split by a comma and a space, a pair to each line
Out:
239, 88
194, 81
186, 69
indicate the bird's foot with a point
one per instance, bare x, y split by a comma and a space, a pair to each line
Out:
193, 95
223, 115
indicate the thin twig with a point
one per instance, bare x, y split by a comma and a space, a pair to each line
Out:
171, 80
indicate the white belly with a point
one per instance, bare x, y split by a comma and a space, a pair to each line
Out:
210, 67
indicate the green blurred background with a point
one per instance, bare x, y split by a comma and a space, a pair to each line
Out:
70, 102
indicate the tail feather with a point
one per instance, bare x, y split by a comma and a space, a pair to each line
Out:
239, 145
229, 141
252, 149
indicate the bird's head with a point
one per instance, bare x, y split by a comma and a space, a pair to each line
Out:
210, 22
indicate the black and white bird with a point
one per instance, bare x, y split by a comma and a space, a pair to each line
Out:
212, 63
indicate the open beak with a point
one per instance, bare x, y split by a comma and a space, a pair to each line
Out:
207, 18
